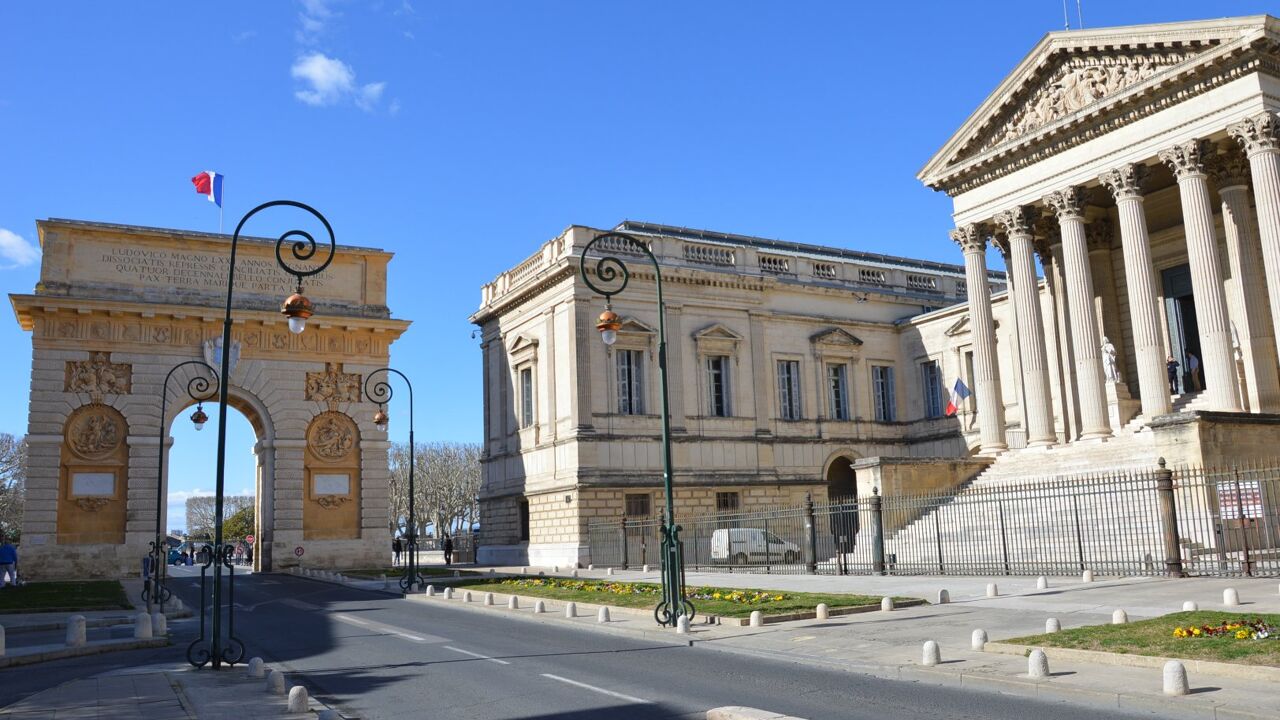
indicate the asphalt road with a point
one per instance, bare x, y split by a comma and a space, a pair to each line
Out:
375, 656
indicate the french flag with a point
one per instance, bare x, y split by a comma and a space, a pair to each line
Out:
209, 184
958, 395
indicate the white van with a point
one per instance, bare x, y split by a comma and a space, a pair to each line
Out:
745, 546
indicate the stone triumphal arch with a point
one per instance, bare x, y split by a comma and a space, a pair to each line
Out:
116, 308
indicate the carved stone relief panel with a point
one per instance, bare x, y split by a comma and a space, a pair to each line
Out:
333, 386
94, 433
98, 376
332, 436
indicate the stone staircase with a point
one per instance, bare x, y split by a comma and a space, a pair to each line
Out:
1034, 510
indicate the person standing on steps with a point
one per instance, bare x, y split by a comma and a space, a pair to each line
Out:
1173, 366
1193, 371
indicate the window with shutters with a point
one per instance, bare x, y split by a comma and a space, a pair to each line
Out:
718, 386
931, 384
630, 364
789, 389
838, 391
883, 393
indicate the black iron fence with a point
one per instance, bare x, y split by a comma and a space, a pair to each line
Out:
1176, 522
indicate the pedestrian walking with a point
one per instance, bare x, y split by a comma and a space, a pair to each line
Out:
396, 548
1193, 370
447, 546
248, 555
8, 563
1173, 366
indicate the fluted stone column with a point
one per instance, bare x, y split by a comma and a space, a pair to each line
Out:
986, 368
1068, 205
1054, 340
1125, 184
1259, 136
1248, 308
1218, 361
1016, 224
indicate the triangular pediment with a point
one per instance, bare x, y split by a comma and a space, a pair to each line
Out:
958, 327
716, 332
523, 342
632, 325
1078, 75
835, 336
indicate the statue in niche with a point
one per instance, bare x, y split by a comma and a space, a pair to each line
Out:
1110, 367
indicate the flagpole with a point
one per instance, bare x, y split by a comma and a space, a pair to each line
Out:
224, 202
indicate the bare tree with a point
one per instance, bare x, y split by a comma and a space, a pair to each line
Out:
13, 484
446, 482
200, 512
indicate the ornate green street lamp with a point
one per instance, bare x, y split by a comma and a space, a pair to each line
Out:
381, 392
613, 272
297, 308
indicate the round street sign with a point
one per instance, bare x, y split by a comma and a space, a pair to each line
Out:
298, 551
248, 539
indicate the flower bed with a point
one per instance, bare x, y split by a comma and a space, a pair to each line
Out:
1254, 629
723, 602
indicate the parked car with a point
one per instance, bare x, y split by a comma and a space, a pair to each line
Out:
175, 555
746, 546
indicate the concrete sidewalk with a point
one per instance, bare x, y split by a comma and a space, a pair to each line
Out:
889, 644
156, 693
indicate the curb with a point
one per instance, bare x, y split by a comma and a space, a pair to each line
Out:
96, 647
91, 623
1262, 673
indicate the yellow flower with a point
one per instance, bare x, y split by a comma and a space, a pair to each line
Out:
1242, 634
777, 598
1196, 631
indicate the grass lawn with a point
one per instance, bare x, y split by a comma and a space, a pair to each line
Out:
646, 595
64, 597
1155, 637
391, 572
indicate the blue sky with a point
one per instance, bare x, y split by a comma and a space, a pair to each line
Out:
461, 135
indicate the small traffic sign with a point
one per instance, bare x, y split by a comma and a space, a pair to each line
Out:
298, 551
248, 539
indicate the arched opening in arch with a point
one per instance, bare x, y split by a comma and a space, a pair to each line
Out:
191, 475
842, 491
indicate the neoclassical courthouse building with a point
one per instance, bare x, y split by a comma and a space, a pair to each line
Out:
1138, 167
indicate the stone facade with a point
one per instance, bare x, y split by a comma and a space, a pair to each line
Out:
572, 428
117, 307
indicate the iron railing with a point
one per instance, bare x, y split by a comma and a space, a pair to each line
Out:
1149, 522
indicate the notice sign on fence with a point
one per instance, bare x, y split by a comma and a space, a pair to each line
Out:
1240, 499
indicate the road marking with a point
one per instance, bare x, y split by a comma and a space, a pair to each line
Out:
600, 690
386, 629
476, 655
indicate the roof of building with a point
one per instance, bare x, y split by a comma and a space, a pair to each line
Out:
782, 246
152, 230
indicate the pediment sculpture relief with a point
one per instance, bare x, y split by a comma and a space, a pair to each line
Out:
332, 436
98, 376
333, 386
1077, 83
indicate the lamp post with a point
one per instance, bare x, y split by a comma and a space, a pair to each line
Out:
613, 272
297, 308
381, 392
198, 389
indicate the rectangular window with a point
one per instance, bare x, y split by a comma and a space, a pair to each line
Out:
524, 521
789, 389
718, 385
838, 391
638, 505
630, 381
882, 384
726, 502
526, 397
931, 382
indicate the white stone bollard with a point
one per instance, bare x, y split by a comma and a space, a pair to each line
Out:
608, 571
931, 654
75, 631
1038, 664
757, 618
1148, 563
1175, 678
571, 610
298, 699
159, 624
457, 573
385, 583
256, 669
978, 640
944, 597
602, 616
886, 604
539, 607
992, 590
177, 604
645, 568
431, 591
142, 626
591, 566
414, 587
574, 573
1190, 606
466, 596
1119, 617
555, 568
448, 593
1042, 583
513, 603
275, 682
823, 611
1086, 576
524, 571
682, 625
488, 598
1230, 597
1052, 626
